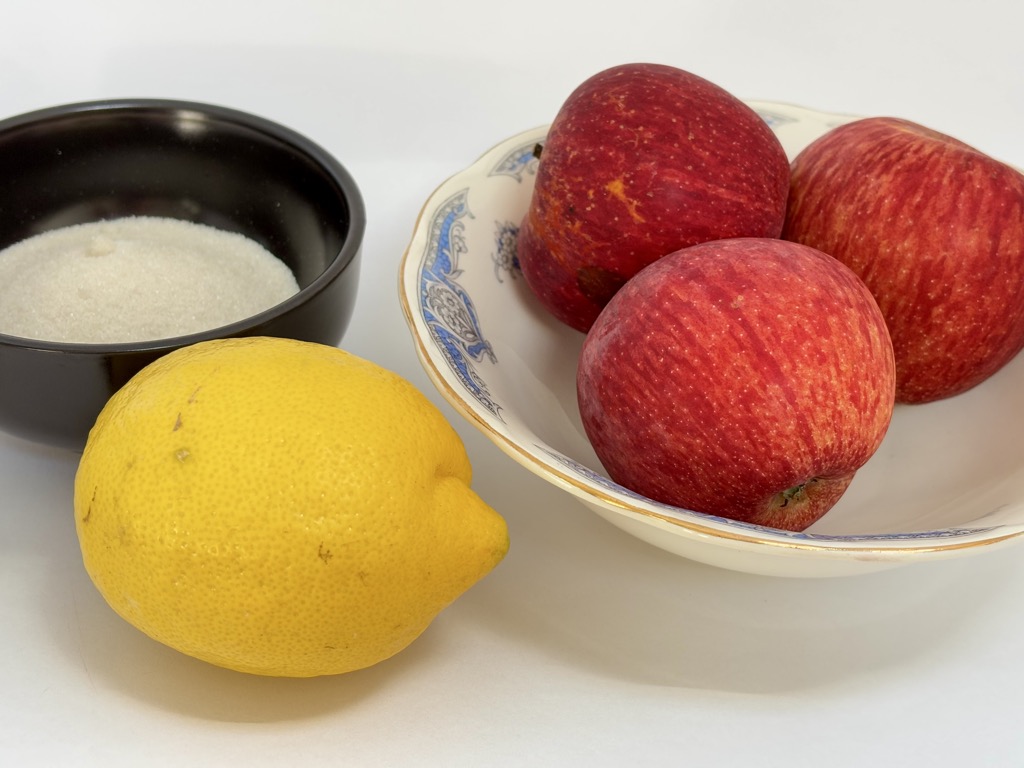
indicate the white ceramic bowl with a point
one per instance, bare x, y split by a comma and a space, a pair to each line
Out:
947, 481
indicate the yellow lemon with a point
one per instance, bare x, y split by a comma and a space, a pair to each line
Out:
279, 507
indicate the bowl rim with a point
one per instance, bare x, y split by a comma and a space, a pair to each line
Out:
887, 549
338, 173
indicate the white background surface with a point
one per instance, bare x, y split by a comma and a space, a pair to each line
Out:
585, 646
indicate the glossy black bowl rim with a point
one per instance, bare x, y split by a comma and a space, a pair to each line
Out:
350, 247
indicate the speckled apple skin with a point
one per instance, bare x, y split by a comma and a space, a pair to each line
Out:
935, 229
747, 378
641, 160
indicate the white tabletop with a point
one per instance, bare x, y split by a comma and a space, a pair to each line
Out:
585, 646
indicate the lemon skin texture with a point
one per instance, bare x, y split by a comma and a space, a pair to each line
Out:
279, 507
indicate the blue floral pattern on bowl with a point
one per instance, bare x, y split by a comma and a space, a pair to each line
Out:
447, 308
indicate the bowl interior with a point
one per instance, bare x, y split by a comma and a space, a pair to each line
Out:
186, 161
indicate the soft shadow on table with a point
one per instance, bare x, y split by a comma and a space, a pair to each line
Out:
117, 656
576, 588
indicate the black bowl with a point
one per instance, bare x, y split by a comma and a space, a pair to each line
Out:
145, 157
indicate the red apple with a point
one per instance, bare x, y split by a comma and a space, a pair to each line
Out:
641, 160
747, 378
936, 231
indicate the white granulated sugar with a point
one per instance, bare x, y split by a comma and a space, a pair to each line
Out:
137, 278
